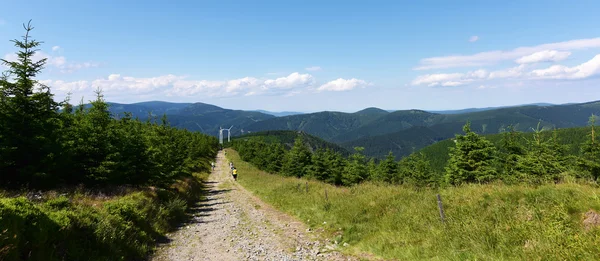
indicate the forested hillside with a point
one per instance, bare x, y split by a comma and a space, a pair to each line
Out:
325, 125
82, 183
201, 117
287, 139
378, 131
571, 138
513, 156
403, 132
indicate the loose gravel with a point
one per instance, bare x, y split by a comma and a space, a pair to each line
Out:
233, 224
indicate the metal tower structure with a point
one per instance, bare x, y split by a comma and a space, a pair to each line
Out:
229, 133
221, 134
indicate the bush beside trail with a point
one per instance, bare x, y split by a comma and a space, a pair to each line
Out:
80, 227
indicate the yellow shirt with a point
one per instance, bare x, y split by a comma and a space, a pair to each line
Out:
235, 172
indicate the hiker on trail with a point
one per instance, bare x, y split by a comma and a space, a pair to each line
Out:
234, 173
212, 164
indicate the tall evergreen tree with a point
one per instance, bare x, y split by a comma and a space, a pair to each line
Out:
28, 118
471, 159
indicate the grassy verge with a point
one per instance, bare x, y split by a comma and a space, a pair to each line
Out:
484, 222
77, 226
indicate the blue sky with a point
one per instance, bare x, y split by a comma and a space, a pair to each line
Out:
316, 55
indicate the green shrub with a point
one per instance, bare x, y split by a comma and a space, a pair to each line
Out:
125, 228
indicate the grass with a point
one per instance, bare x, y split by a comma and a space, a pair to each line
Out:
82, 225
483, 222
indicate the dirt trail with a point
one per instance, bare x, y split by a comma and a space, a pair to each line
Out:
232, 224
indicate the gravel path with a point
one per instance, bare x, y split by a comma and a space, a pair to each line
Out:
232, 224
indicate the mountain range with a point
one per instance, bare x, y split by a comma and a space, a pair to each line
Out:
379, 131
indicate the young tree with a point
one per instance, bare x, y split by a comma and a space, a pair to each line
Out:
356, 170
297, 159
387, 171
415, 169
28, 118
471, 159
336, 164
319, 168
544, 159
510, 151
590, 152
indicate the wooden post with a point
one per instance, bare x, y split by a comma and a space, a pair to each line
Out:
298, 187
307, 187
326, 197
441, 207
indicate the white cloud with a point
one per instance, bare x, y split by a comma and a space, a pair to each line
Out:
452, 84
584, 70
291, 81
173, 85
437, 79
544, 56
343, 85
473, 38
55, 48
492, 57
313, 68
509, 72
59, 62
523, 72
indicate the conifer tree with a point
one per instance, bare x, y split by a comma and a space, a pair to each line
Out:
415, 169
510, 151
371, 169
387, 170
590, 152
297, 159
471, 159
544, 159
336, 164
275, 158
319, 168
356, 170
28, 118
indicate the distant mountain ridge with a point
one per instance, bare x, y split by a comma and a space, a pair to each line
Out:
379, 131
488, 108
281, 113
202, 117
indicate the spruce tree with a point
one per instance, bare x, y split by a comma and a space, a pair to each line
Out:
336, 164
29, 122
297, 159
387, 170
356, 170
471, 159
319, 168
416, 169
510, 151
590, 152
545, 158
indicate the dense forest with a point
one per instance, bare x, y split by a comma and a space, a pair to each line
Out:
59, 164
44, 143
514, 157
